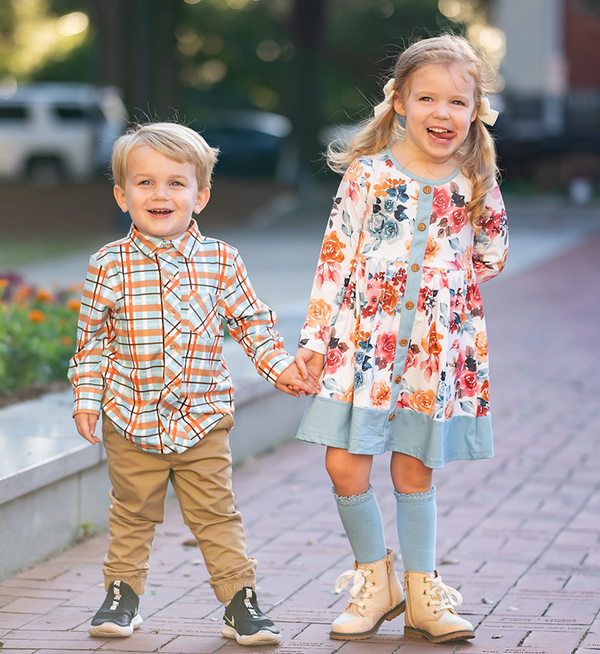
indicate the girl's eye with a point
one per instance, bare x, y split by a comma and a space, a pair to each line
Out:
459, 102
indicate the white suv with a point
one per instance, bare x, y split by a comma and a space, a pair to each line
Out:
57, 131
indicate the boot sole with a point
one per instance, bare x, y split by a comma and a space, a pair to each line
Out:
411, 632
113, 630
390, 615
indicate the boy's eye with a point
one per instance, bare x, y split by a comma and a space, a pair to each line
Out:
144, 182
175, 183
426, 98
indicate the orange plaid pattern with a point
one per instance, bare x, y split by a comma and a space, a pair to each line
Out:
150, 337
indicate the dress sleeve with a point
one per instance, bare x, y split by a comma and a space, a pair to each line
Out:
94, 332
252, 324
337, 258
491, 241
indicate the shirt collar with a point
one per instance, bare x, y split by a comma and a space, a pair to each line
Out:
187, 244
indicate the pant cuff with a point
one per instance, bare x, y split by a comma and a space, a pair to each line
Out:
137, 583
225, 590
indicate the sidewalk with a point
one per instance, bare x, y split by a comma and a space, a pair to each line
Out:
519, 534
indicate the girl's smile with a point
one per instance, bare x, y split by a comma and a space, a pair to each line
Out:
439, 108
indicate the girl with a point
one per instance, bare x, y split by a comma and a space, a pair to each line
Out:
396, 328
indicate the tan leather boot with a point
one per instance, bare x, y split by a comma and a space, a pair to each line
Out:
429, 609
376, 595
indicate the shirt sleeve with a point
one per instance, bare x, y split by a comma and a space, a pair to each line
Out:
336, 259
94, 332
491, 241
252, 323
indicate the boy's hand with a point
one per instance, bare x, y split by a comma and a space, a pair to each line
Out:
86, 425
290, 381
309, 363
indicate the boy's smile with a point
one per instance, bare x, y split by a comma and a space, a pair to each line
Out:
161, 194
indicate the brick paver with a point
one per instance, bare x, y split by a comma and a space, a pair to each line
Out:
519, 534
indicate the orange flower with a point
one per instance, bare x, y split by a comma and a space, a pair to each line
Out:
318, 314
481, 346
432, 249
3, 283
382, 187
381, 394
348, 395
485, 391
67, 341
359, 336
431, 344
331, 252
36, 316
449, 410
22, 293
44, 295
422, 401
389, 298
73, 304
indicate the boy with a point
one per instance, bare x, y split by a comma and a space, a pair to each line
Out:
149, 357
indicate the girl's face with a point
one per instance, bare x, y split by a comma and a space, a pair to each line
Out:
439, 108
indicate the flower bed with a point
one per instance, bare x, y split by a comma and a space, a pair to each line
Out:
37, 334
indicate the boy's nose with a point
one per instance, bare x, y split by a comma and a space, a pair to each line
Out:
161, 192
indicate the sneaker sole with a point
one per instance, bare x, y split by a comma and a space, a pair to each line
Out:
390, 615
411, 632
264, 637
113, 630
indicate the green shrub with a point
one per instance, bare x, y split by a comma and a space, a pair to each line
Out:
37, 334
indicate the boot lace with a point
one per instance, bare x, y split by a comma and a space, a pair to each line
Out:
360, 586
441, 596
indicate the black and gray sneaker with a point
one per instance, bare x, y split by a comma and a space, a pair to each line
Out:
118, 616
245, 622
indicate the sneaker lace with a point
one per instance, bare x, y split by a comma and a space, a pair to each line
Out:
442, 596
360, 586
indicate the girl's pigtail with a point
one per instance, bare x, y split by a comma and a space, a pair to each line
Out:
373, 135
478, 163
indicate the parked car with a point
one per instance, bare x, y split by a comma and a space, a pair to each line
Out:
250, 142
51, 131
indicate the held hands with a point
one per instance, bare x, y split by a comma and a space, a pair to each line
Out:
309, 363
290, 381
86, 425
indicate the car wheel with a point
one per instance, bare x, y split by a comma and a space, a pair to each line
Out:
45, 171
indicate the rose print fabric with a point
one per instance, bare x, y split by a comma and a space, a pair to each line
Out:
396, 309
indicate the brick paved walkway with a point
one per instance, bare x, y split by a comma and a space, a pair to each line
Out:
518, 534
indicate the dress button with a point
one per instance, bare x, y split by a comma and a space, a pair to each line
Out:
427, 189
398, 379
403, 342
392, 416
421, 227
415, 267
410, 305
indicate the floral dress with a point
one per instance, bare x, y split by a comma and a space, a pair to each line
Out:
396, 309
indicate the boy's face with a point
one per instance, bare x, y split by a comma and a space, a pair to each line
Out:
160, 194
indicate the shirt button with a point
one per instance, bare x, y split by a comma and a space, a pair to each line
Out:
421, 227
427, 190
392, 416
398, 379
172, 314
410, 305
415, 267
403, 342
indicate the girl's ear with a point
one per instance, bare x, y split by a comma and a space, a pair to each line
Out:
202, 200
119, 194
399, 107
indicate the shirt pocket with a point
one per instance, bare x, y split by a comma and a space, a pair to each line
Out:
203, 316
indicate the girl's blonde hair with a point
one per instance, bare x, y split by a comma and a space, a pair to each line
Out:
175, 141
477, 155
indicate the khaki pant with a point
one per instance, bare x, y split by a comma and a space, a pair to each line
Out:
201, 477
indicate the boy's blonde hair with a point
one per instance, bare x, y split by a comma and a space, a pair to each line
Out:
477, 155
175, 141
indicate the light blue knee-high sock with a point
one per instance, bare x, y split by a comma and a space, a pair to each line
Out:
362, 522
417, 514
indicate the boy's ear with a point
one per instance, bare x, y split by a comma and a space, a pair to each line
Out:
202, 200
119, 194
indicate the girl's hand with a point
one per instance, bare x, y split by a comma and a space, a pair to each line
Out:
86, 425
290, 381
309, 363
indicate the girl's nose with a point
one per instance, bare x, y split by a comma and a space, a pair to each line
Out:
441, 111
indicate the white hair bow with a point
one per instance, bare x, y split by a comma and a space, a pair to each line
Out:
388, 102
486, 114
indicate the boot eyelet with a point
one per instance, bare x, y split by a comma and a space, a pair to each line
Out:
370, 596
424, 592
424, 580
428, 603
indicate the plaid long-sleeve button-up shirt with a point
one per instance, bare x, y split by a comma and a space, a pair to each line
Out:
150, 337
